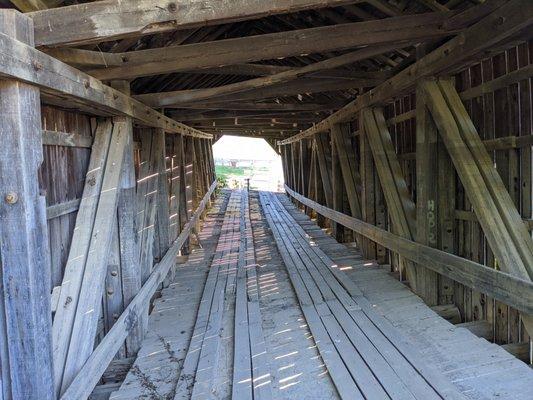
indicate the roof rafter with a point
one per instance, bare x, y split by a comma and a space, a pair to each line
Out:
274, 45
512, 17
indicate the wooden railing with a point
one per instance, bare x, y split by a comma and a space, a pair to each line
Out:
506, 288
82, 386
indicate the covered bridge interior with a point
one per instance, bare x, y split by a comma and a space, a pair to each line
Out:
396, 265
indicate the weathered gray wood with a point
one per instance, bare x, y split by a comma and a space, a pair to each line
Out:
501, 286
130, 272
54, 138
177, 98
500, 24
114, 19
92, 370
274, 45
25, 320
67, 207
77, 89
73, 275
399, 204
324, 164
427, 191
88, 305
163, 213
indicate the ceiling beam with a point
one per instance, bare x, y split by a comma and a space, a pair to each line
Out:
118, 19
266, 107
64, 85
514, 16
300, 86
274, 45
194, 95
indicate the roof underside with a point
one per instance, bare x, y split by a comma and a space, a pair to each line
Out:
280, 110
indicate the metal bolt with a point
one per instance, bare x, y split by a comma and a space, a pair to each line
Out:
12, 198
114, 273
110, 292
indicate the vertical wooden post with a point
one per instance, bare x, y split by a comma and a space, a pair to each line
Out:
337, 186
427, 194
130, 268
25, 318
163, 213
368, 211
323, 154
340, 137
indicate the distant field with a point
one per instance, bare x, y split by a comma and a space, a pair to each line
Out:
225, 171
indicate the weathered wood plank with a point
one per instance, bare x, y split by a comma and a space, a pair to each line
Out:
180, 97
500, 24
73, 275
26, 64
92, 370
400, 206
25, 315
275, 45
115, 19
89, 296
506, 288
53, 138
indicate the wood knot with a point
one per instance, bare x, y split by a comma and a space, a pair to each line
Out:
37, 65
172, 7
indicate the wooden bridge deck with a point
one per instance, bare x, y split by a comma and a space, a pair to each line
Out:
270, 306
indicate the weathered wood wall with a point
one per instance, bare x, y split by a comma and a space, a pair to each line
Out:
497, 94
162, 206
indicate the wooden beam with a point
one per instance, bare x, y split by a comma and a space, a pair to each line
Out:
92, 370
400, 206
192, 95
276, 45
178, 99
500, 24
25, 310
427, 193
323, 154
118, 19
498, 216
29, 5
513, 291
88, 299
73, 275
72, 88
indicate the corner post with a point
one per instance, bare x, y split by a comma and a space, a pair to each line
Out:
26, 317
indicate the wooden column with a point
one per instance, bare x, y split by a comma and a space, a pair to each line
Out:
130, 269
368, 193
340, 135
304, 169
427, 195
25, 318
337, 186
163, 213
323, 154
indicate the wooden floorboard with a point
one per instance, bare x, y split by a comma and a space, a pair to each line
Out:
272, 307
479, 369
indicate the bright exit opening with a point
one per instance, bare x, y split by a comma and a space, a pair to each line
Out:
240, 161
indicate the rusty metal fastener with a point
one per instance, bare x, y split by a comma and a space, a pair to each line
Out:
11, 198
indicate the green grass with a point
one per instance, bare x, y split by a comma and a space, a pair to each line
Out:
223, 170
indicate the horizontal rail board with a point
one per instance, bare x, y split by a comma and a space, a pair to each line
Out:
506, 288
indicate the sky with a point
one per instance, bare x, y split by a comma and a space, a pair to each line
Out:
243, 148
